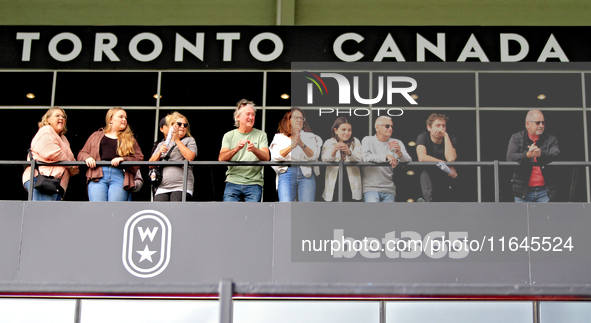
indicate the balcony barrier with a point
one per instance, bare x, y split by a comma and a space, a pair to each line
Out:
185, 164
552, 288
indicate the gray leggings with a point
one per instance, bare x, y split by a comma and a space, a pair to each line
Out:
175, 196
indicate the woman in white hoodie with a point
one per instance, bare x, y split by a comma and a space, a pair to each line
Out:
342, 146
295, 142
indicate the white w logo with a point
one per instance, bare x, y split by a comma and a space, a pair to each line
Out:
148, 233
133, 264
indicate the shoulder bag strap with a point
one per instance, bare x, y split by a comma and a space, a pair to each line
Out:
37, 164
168, 153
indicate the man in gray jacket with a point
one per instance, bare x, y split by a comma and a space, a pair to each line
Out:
533, 183
378, 185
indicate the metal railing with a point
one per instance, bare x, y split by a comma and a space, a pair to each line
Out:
341, 164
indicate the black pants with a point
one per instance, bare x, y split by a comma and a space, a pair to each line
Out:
436, 187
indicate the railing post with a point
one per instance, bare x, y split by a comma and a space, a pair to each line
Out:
226, 290
496, 166
185, 180
341, 172
382, 311
31, 179
78, 311
536, 311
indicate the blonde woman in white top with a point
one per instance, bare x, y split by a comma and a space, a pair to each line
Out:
295, 142
342, 146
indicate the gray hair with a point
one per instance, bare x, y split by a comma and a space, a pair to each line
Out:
379, 119
242, 103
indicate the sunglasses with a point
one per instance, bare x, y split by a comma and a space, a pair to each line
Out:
388, 126
538, 122
180, 124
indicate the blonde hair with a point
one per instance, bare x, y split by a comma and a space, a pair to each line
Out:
125, 137
48, 115
242, 103
173, 117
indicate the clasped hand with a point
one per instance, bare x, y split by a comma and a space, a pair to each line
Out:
534, 151
343, 147
245, 142
296, 140
393, 161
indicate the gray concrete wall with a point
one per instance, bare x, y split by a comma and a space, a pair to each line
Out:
109, 245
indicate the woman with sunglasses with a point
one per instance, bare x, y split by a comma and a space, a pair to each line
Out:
115, 143
182, 146
50, 145
342, 146
295, 142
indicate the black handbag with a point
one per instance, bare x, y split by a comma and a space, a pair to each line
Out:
47, 184
155, 174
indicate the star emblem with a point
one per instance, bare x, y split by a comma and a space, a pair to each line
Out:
146, 254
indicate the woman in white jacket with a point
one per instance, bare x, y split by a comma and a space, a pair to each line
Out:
295, 142
342, 146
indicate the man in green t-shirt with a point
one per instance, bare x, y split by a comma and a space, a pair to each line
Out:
244, 144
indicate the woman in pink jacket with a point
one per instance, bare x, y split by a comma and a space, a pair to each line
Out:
50, 145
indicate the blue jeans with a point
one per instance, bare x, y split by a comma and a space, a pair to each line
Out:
38, 196
109, 187
294, 184
534, 194
235, 192
375, 196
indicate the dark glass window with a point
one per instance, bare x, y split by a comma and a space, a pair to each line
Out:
25, 88
433, 89
278, 84
210, 89
325, 89
21, 144
588, 89
106, 88
531, 90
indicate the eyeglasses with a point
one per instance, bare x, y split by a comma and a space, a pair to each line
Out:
61, 116
298, 118
538, 122
388, 126
180, 124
